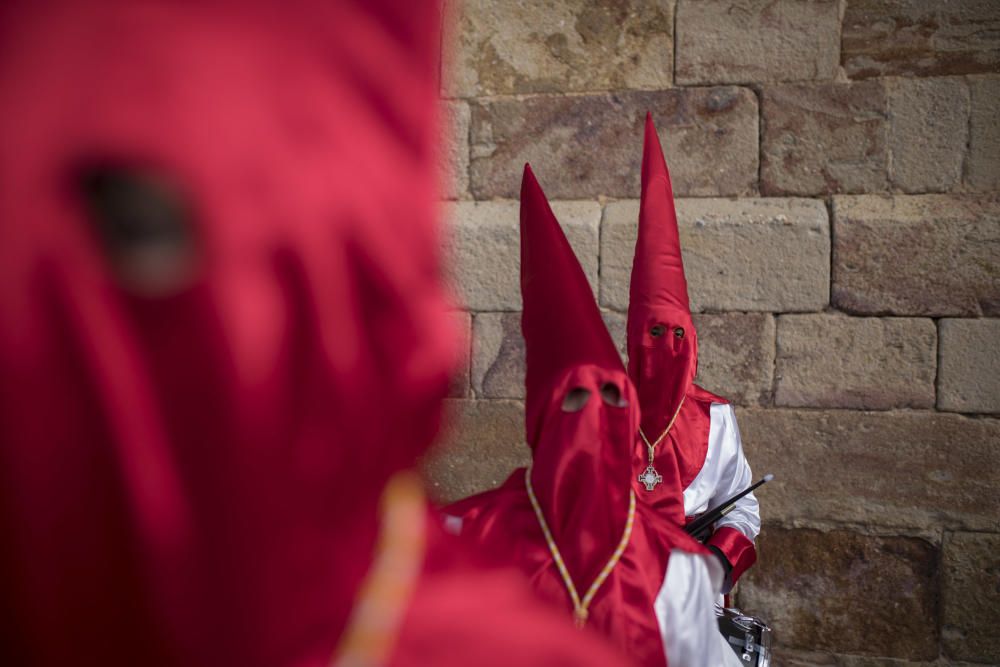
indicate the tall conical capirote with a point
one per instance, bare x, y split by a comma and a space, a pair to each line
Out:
561, 323
662, 342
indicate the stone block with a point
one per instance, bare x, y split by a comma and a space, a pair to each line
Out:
971, 583
498, 355
735, 353
874, 363
917, 470
485, 252
824, 138
841, 591
750, 41
590, 145
460, 383
481, 447
746, 254
502, 48
969, 370
917, 255
928, 132
982, 164
455, 117
920, 37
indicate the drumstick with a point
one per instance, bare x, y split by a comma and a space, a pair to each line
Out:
708, 518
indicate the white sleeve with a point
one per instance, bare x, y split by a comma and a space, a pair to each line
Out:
734, 474
685, 612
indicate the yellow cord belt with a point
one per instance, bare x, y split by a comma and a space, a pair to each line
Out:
580, 607
385, 594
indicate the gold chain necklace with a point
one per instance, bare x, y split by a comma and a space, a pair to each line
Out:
650, 477
581, 607
385, 594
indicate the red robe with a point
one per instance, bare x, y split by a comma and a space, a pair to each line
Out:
465, 612
636, 607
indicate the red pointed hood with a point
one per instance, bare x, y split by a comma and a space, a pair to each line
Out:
179, 470
582, 412
561, 323
662, 343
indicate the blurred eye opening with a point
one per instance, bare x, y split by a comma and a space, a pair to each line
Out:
679, 332
612, 395
575, 399
143, 225
657, 331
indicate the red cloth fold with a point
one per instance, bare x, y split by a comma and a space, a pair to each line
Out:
502, 524
739, 551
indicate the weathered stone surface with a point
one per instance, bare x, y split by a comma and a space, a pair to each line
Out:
971, 572
785, 657
742, 41
498, 355
915, 470
460, 384
616, 323
746, 254
874, 363
917, 255
920, 37
841, 591
485, 248
455, 117
928, 128
562, 46
735, 353
969, 372
591, 145
482, 447
824, 138
982, 164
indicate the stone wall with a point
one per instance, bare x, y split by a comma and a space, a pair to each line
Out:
838, 168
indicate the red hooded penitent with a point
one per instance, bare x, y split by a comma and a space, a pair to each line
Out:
691, 431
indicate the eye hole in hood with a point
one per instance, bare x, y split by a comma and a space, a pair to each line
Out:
143, 224
612, 395
663, 360
575, 399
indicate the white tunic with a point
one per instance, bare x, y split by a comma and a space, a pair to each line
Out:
685, 613
724, 474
